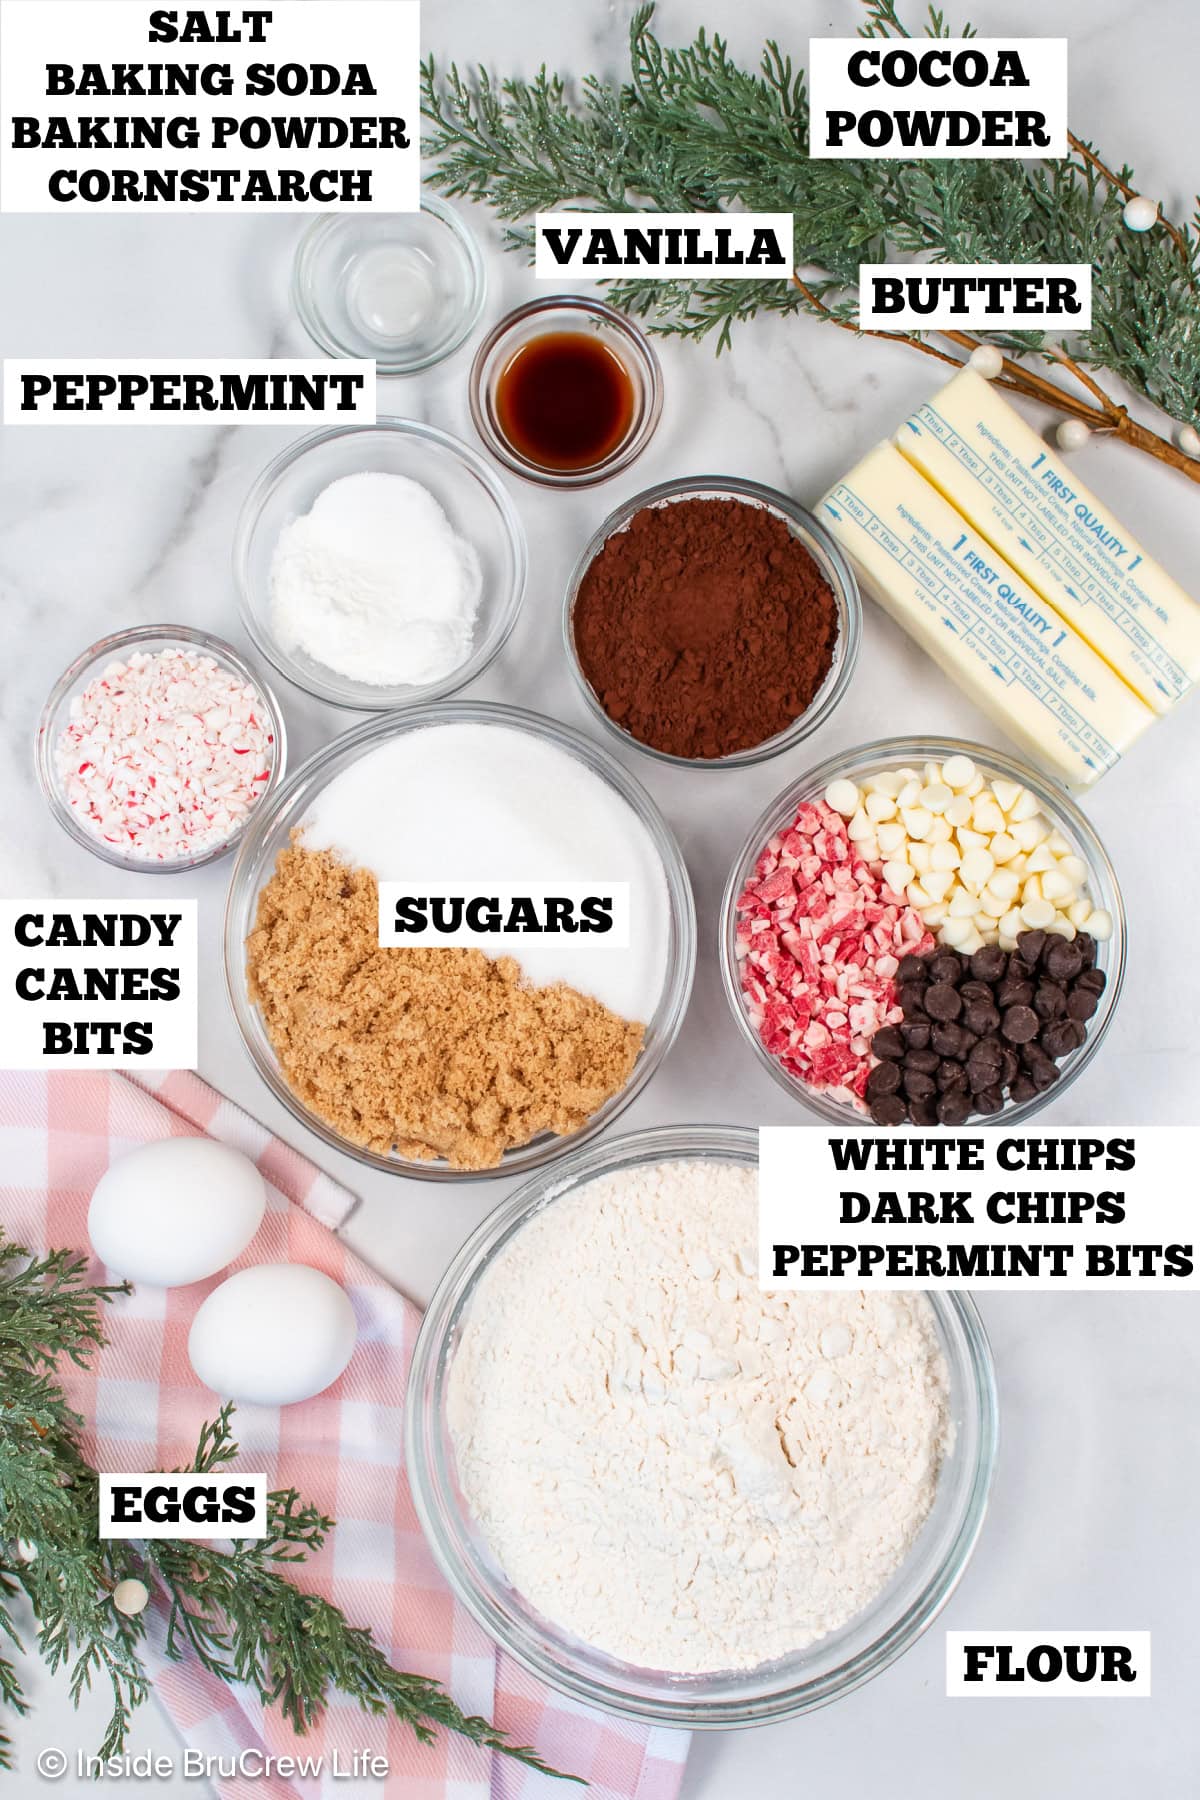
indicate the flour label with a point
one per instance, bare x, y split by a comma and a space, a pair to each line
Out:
1048, 1665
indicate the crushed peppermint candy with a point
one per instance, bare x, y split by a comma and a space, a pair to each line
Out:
820, 935
165, 754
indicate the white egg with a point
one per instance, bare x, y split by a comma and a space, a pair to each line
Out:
272, 1335
176, 1211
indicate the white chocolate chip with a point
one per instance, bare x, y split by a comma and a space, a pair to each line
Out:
958, 771
1100, 925
916, 821
881, 807
1037, 914
842, 797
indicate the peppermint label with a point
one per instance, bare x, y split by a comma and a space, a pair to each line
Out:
105, 983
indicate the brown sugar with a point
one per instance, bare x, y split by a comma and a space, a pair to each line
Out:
431, 1053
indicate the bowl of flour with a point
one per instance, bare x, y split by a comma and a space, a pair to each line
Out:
379, 565
666, 1492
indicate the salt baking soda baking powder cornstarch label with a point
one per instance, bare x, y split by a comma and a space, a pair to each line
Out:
113, 104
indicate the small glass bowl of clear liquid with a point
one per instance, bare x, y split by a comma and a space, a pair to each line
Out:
402, 290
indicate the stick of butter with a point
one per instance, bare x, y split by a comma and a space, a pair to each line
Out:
1009, 651
995, 469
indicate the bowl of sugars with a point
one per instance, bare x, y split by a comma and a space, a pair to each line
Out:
667, 1492
379, 565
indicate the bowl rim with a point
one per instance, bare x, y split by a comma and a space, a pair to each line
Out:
73, 679
661, 1031
598, 312
428, 1469
389, 367
831, 559
340, 691
1053, 797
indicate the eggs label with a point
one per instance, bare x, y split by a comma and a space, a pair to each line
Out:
99, 982
183, 1506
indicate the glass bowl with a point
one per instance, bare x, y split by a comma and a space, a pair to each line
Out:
776, 1690
473, 499
273, 827
403, 290
1058, 807
572, 312
824, 552
56, 714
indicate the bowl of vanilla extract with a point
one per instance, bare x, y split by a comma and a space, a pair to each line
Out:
566, 391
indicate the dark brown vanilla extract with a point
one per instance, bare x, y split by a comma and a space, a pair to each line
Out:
564, 401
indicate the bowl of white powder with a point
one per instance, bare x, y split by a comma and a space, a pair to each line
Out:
379, 565
668, 1493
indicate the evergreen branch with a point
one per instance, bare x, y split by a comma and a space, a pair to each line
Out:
692, 130
235, 1610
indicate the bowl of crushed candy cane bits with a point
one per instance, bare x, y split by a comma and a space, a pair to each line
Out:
921, 932
155, 747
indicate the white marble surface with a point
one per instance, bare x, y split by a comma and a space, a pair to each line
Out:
1093, 1517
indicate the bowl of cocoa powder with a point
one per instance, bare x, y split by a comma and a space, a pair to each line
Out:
712, 622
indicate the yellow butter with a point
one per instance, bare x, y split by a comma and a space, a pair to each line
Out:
993, 634
997, 472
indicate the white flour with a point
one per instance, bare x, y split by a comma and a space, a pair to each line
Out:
680, 1469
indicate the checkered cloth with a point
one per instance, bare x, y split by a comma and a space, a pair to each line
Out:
343, 1450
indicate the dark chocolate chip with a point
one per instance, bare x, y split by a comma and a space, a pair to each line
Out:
1081, 1003
917, 1084
883, 1079
911, 995
1057, 1038
947, 1040
1030, 944
1020, 1024
954, 1106
1087, 948
942, 1001
951, 1074
1094, 981
946, 966
975, 990
1062, 961
981, 1017
1049, 1000
912, 968
969, 1040
889, 1109
1014, 993
988, 1100
916, 1033
1010, 1064
989, 964
888, 1043
1021, 1089
923, 1112
924, 1061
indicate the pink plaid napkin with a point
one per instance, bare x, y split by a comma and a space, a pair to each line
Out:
343, 1450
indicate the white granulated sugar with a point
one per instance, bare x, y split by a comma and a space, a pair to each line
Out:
447, 808
374, 583
676, 1467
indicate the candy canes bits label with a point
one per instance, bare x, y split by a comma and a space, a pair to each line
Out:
98, 982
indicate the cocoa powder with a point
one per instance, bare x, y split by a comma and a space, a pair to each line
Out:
705, 628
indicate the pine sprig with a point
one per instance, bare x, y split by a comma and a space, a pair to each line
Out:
691, 130
235, 1610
